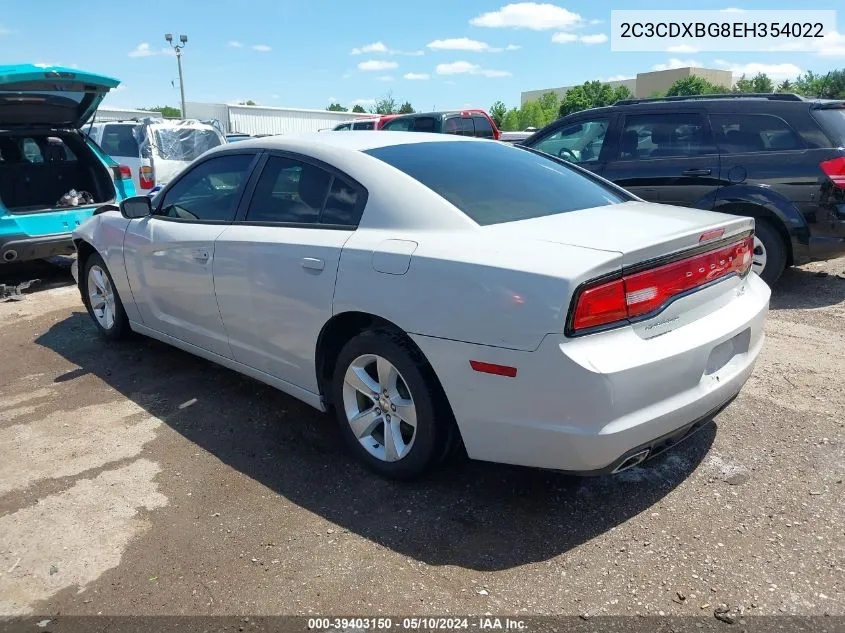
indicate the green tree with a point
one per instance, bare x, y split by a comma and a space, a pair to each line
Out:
549, 105
510, 121
406, 108
168, 112
530, 115
786, 86
758, 83
336, 107
829, 86
693, 85
385, 105
358, 108
621, 92
497, 112
249, 102
592, 94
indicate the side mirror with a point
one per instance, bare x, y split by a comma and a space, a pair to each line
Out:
136, 207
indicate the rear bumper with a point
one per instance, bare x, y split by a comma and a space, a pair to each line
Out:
585, 405
21, 248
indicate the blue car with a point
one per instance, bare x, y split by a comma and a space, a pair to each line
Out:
52, 177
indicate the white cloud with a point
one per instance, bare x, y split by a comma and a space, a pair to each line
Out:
375, 47
469, 45
566, 38
774, 71
381, 48
615, 78
831, 45
144, 50
363, 102
384, 78
466, 68
594, 22
274, 96
683, 49
5, 31
261, 48
330, 99
416, 76
677, 63
596, 38
733, 10
528, 15
235, 44
377, 64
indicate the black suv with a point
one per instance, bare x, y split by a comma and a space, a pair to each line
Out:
778, 158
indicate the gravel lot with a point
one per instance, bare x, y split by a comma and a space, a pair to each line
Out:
137, 479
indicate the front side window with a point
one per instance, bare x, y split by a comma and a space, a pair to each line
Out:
744, 133
494, 183
120, 140
364, 125
343, 127
664, 136
209, 191
579, 142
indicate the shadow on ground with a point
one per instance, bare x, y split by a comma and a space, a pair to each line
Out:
799, 289
469, 514
43, 274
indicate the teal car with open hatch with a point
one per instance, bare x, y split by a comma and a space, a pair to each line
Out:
52, 177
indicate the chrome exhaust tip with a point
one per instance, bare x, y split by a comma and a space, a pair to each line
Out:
631, 461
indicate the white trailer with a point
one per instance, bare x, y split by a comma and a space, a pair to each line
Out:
266, 120
122, 114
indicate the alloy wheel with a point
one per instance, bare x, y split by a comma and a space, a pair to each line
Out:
101, 297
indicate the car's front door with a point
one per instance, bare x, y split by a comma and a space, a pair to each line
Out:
170, 254
666, 157
276, 266
583, 142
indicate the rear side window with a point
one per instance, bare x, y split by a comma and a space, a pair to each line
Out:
295, 192
462, 126
494, 183
120, 140
364, 125
665, 136
748, 133
343, 127
483, 129
833, 122
412, 124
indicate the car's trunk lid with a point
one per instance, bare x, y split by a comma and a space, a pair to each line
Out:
33, 95
639, 231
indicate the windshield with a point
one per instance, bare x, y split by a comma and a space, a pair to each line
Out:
185, 144
494, 183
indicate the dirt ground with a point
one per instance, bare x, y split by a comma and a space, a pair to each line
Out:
137, 479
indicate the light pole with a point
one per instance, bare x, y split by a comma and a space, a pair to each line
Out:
183, 40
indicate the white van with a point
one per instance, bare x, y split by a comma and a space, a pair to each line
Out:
154, 149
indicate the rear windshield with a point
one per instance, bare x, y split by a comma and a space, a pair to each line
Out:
120, 140
833, 121
494, 183
412, 124
184, 144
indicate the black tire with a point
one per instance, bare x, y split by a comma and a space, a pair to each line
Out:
775, 251
120, 327
435, 425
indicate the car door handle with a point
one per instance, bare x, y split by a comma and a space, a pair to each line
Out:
313, 263
697, 172
201, 255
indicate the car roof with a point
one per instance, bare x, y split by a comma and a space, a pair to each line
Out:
360, 141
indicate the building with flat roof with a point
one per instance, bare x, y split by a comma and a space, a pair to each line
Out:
646, 84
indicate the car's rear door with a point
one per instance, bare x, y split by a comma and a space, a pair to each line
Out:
169, 255
276, 266
667, 157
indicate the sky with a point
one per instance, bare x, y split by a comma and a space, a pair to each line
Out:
437, 54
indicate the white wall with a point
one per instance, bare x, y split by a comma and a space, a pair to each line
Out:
266, 120
118, 114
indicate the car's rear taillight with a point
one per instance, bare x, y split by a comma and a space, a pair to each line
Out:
146, 177
122, 172
643, 293
835, 170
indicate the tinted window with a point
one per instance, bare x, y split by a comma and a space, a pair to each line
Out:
579, 142
494, 183
209, 191
343, 127
120, 140
364, 125
742, 133
412, 124
344, 204
664, 136
483, 129
289, 191
833, 120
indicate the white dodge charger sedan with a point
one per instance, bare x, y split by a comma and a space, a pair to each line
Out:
435, 291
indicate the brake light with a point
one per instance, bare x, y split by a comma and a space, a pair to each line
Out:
122, 172
146, 177
646, 292
835, 170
